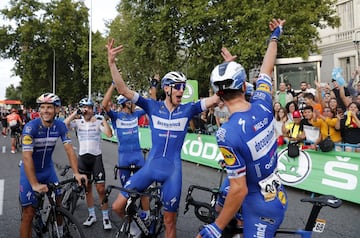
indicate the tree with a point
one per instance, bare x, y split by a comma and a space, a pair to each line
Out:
40, 30
13, 93
188, 35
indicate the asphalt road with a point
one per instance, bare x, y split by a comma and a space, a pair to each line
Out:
341, 222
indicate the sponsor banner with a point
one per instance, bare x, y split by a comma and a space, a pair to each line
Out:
335, 173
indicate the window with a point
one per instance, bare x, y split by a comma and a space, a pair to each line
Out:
346, 13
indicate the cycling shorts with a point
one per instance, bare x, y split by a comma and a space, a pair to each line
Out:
129, 158
263, 216
45, 176
166, 171
14, 130
92, 166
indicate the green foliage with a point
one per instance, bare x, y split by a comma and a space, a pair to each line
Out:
158, 36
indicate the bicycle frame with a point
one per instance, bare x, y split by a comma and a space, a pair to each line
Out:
132, 209
207, 214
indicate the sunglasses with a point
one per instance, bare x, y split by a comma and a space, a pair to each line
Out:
178, 86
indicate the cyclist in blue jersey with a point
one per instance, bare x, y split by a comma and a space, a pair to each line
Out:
168, 120
38, 143
89, 128
248, 144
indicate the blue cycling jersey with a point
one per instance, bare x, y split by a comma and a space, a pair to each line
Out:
41, 141
248, 144
168, 130
127, 130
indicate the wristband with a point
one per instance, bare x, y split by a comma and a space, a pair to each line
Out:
154, 83
275, 35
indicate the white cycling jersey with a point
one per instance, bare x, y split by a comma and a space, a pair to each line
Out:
89, 135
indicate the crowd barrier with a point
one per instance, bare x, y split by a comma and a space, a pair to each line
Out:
334, 172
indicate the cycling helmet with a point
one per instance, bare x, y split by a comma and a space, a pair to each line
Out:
228, 75
49, 98
172, 78
121, 99
86, 102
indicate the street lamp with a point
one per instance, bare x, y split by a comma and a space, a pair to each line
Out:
356, 41
54, 64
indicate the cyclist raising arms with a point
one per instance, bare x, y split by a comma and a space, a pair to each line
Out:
168, 122
38, 143
14, 122
90, 161
248, 144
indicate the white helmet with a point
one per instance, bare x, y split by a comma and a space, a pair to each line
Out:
121, 99
49, 98
172, 78
228, 75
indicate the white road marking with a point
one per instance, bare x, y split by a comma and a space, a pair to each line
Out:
2, 182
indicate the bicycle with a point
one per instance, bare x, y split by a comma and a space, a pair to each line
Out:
71, 192
50, 217
153, 226
205, 212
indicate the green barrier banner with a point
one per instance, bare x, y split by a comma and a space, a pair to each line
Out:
335, 173
191, 93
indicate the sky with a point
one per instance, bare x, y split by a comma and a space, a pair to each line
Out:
102, 10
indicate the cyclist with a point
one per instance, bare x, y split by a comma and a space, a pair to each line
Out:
38, 143
89, 129
248, 144
169, 120
14, 123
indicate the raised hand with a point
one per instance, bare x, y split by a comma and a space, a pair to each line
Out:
112, 52
225, 53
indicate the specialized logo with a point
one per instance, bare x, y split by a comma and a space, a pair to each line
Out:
293, 170
27, 140
228, 155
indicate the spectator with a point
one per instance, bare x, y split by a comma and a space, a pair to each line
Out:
289, 89
211, 121
354, 91
300, 95
333, 104
310, 134
280, 120
326, 122
282, 95
310, 101
4, 124
291, 130
291, 107
221, 114
349, 125
276, 108
341, 101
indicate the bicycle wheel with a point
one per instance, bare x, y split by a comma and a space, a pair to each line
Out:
71, 227
69, 200
158, 224
123, 231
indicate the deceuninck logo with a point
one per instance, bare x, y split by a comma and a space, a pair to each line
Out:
293, 170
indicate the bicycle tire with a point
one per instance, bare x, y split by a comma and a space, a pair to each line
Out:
69, 202
123, 231
71, 227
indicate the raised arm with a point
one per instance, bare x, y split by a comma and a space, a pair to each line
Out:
276, 26
115, 74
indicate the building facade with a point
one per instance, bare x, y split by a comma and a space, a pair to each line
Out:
339, 47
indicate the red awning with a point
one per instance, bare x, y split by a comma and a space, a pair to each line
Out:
10, 102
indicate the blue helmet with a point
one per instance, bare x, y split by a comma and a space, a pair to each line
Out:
121, 99
228, 75
49, 98
86, 102
249, 89
172, 78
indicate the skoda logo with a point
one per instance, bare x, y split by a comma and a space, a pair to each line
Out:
293, 170
189, 91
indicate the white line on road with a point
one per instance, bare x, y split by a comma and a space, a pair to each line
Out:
2, 182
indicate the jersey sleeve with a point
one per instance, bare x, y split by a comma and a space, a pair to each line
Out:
64, 133
263, 90
27, 140
235, 164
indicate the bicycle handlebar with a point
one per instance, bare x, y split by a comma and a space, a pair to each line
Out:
132, 168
